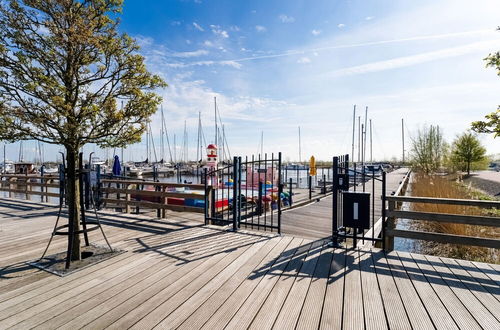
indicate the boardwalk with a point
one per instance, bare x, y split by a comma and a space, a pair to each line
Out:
315, 220
177, 273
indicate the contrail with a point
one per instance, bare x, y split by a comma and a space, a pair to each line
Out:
372, 43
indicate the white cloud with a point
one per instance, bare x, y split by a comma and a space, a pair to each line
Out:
286, 19
218, 31
304, 60
341, 25
260, 28
405, 61
316, 32
198, 27
195, 53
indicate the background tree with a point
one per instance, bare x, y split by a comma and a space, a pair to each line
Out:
467, 149
63, 69
492, 122
428, 149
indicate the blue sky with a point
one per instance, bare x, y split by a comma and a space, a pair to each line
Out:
277, 65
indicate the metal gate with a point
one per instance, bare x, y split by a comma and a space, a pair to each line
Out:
353, 207
246, 193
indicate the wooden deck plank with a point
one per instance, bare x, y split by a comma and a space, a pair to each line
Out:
489, 284
310, 316
247, 311
488, 271
292, 306
234, 273
454, 306
435, 308
393, 305
178, 273
353, 311
475, 287
65, 311
372, 297
162, 305
269, 311
224, 303
129, 309
331, 316
473, 305
414, 307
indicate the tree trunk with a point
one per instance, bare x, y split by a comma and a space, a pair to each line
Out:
73, 199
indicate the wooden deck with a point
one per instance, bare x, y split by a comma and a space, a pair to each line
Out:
178, 273
315, 220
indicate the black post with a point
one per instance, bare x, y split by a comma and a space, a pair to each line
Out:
82, 204
87, 186
259, 202
62, 184
239, 191
42, 182
280, 191
384, 223
309, 183
206, 195
99, 187
335, 187
235, 193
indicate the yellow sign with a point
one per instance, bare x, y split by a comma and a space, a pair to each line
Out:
312, 166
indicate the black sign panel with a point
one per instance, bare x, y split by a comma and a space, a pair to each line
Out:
356, 209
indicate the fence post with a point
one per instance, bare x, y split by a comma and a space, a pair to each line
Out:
309, 183
389, 238
235, 193
127, 199
335, 184
280, 191
207, 195
42, 182
324, 184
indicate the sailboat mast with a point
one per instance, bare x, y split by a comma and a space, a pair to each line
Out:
359, 139
198, 139
403, 137
353, 131
300, 151
215, 116
162, 144
364, 137
371, 143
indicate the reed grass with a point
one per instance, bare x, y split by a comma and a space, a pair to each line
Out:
438, 186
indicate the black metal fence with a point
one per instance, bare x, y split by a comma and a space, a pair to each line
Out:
247, 193
353, 211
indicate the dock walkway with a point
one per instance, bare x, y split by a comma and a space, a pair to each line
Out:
178, 273
315, 220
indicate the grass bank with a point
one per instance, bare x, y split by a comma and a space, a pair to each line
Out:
438, 186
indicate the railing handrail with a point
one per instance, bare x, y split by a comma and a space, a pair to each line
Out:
449, 201
403, 183
158, 184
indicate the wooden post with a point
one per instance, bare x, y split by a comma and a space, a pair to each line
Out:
389, 239
127, 199
163, 202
